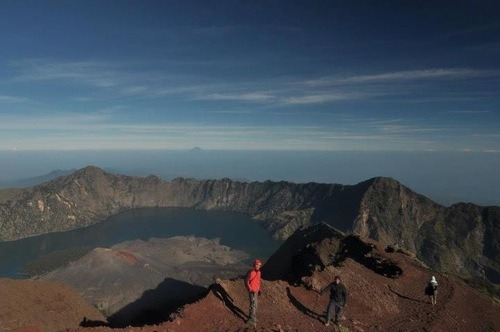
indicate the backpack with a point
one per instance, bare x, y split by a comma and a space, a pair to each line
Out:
430, 289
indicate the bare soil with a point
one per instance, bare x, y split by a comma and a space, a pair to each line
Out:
31, 305
376, 303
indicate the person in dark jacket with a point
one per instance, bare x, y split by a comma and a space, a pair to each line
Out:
252, 283
338, 300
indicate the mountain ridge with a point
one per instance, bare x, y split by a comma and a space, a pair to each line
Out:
380, 208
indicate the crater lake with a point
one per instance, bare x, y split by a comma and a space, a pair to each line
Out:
235, 230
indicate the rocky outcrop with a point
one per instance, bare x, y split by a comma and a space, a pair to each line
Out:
463, 238
320, 246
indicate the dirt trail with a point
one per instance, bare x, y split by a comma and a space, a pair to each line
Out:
416, 311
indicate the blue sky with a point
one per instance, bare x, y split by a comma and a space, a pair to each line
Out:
287, 75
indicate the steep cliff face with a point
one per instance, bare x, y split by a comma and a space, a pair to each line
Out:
83, 198
390, 212
464, 238
90, 195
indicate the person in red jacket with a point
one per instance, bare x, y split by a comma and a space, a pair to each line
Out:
252, 283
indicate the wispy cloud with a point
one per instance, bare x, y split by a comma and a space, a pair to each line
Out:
89, 133
12, 99
54, 121
414, 128
409, 75
318, 98
249, 96
357, 137
469, 112
486, 135
237, 112
136, 81
95, 73
472, 30
106, 130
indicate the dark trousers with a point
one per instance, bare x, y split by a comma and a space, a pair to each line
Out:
334, 307
253, 307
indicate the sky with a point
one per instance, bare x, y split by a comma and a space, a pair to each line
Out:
250, 75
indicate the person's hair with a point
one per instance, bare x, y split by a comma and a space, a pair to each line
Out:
336, 278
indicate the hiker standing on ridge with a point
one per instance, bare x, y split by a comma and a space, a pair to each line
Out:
338, 300
252, 283
432, 289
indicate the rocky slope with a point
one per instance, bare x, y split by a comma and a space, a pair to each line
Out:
463, 238
378, 301
139, 282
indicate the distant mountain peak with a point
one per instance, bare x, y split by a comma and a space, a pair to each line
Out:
196, 149
93, 170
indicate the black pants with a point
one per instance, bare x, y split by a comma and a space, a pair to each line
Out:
334, 307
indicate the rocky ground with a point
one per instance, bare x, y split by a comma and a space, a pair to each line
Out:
376, 302
138, 282
28, 305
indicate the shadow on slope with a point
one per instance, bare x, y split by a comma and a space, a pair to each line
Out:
301, 307
221, 293
156, 305
404, 296
366, 254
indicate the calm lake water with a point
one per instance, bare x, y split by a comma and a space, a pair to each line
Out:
235, 230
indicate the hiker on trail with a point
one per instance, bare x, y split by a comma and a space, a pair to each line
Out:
252, 283
338, 300
432, 289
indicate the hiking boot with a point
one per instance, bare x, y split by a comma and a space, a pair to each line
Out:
327, 323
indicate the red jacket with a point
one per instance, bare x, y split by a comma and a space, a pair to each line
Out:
253, 281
